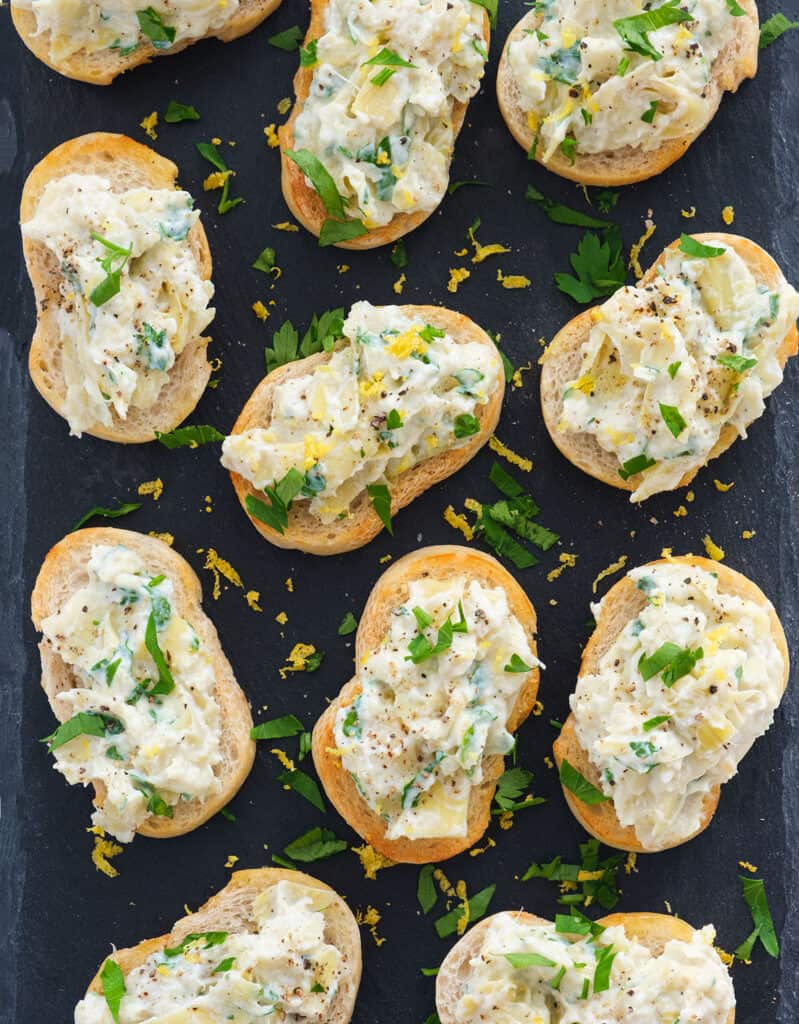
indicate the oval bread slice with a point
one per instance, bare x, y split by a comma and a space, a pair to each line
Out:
736, 62
64, 572
651, 930
562, 359
102, 67
305, 531
302, 199
623, 602
126, 164
230, 910
439, 562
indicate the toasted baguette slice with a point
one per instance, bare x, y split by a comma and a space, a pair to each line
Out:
737, 61
230, 910
305, 531
64, 572
440, 562
102, 67
623, 602
651, 930
126, 164
562, 359
302, 199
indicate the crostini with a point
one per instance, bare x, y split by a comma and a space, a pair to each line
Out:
94, 41
410, 751
610, 93
515, 967
381, 95
121, 271
328, 447
150, 712
644, 390
273, 943
682, 674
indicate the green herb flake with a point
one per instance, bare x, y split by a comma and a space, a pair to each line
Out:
165, 684
304, 785
653, 723
348, 625
151, 25
577, 783
380, 498
315, 844
277, 728
521, 960
637, 464
189, 437
455, 186
691, 247
673, 419
771, 30
560, 214
426, 892
288, 40
122, 509
466, 425
633, 30
517, 665
598, 265
177, 112
649, 114
208, 939
738, 364
113, 983
754, 893
478, 905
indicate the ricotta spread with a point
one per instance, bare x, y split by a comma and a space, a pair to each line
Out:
669, 364
396, 391
150, 744
415, 739
283, 969
585, 90
118, 350
661, 740
385, 131
686, 982
124, 25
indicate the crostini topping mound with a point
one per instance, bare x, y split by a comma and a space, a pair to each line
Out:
123, 26
141, 718
396, 391
279, 968
380, 110
677, 700
667, 365
598, 77
576, 972
131, 294
436, 696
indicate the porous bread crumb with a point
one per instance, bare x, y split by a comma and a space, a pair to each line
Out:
613, 567
458, 521
513, 280
167, 538
723, 487
712, 549
728, 215
457, 275
497, 446
282, 618
149, 125
371, 860
285, 225
284, 758
290, 585
219, 568
153, 487
635, 250
477, 850
399, 284
516, 380
567, 561
270, 131
260, 310
231, 861
252, 597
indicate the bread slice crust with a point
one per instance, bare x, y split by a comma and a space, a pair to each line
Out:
562, 360
305, 531
439, 562
127, 164
737, 61
623, 602
102, 67
63, 572
651, 930
302, 200
231, 910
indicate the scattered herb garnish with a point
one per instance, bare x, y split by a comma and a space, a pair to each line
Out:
151, 25
209, 152
398, 255
477, 904
266, 261
165, 684
339, 229
510, 787
653, 723
516, 665
670, 659
380, 497
420, 647
84, 723
596, 879
113, 264
738, 364
308, 54
177, 112
209, 940
324, 331
426, 892
578, 784
155, 802
754, 892
466, 425
691, 247
348, 625
673, 419
454, 186
491, 7
315, 844
560, 214
189, 437
521, 960
224, 965
598, 264
633, 30
637, 464
304, 785
113, 982
603, 968
122, 509
649, 114
277, 728
389, 61
287, 40
772, 29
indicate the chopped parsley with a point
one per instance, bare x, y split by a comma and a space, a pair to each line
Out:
633, 30
288, 40
189, 437
277, 728
177, 112
598, 265
477, 906
691, 247
122, 509
152, 25
304, 785
426, 892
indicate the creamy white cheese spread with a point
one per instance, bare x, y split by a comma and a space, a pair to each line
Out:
396, 391
283, 969
415, 738
124, 25
384, 130
669, 364
677, 700
534, 974
119, 345
143, 720
585, 90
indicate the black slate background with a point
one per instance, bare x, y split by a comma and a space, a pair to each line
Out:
57, 914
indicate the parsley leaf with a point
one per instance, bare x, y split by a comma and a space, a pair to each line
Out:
560, 214
151, 25
165, 684
637, 464
633, 30
177, 112
673, 419
321, 179
738, 364
348, 625
466, 425
334, 231
113, 982
209, 940
315, 844
598, 264
84, 723
454, 186
754, 893
398, 255
477, 904
288, 40
517, 665
304, 785
380, 497
578, 784
113, 264
189, 437
122, 509
491, 7
771, 30
426, 892
265, 261
209, 152
277, 728
691, 247
521, 960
